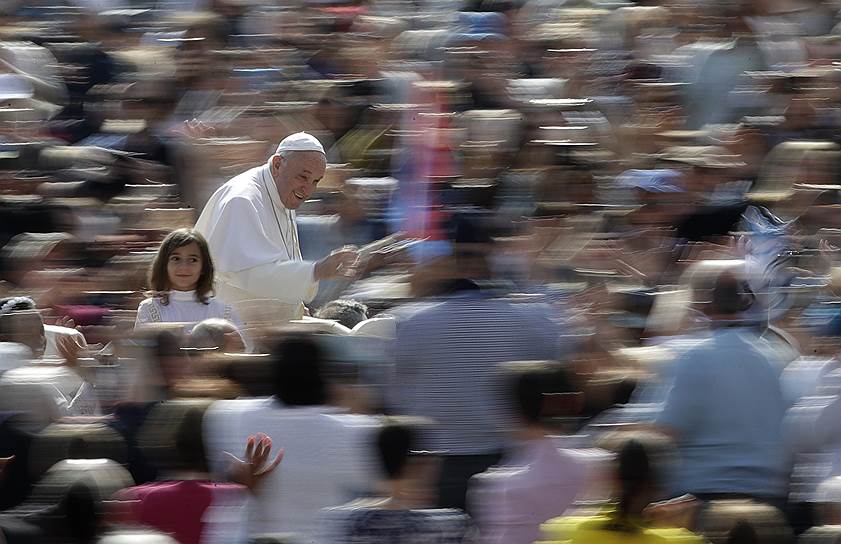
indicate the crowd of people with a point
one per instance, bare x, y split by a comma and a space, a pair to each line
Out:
390, 271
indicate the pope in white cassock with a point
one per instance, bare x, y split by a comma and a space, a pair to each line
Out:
249, 224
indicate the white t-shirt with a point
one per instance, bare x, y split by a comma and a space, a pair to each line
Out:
184, 308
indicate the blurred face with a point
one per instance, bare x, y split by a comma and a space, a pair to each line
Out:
297, 176
184, 267
26, 328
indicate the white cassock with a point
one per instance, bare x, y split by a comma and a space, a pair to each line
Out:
254, 244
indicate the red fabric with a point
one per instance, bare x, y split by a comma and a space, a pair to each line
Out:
84, 314
175, 507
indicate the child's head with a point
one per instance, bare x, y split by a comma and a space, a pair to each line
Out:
183, 263
410, 470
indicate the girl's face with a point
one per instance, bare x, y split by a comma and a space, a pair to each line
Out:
184, 267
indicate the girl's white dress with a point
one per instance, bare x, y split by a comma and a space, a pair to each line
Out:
184, 308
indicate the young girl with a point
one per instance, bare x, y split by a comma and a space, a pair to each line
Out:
181, 284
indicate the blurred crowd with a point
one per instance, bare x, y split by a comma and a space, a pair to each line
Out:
614, 315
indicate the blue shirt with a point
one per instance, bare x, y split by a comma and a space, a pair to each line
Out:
447, 367
727, 408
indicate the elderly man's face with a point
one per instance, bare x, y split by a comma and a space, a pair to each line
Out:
297, 176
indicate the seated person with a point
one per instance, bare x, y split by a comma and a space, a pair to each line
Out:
641, 461
181, 284
21, 323
161, 365
184, 507
218, 334
328, 463
59, 341
536, 481
826, 513
402, 511
743, 522
67, 503
43, 390
726, 407
346, 312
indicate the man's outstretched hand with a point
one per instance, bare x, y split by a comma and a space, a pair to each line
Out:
342, 263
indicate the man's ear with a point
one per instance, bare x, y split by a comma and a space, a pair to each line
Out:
276, 161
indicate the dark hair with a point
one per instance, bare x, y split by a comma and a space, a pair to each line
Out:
394, 442
189, 443
346, 312
731, 295
82, 511
299, 371
158, 276
16, 304
541, 390
743, 533
642, 459
634, 471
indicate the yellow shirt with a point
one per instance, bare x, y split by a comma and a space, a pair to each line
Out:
605, 529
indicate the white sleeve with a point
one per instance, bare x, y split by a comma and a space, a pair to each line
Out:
145, 313
250, 260
288, 281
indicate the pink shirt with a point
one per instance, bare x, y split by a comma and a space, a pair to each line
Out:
174, 507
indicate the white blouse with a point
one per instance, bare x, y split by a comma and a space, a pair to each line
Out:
184, 308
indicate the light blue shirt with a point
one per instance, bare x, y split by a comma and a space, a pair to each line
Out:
726, 406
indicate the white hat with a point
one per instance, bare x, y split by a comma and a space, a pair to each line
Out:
300, 141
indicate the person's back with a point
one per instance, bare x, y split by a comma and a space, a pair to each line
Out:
447, 357
172, 440
536, 480
326, 460
728, 407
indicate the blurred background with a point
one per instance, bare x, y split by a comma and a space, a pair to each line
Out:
644, 194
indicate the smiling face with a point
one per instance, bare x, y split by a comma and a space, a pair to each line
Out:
184, 267
297, 175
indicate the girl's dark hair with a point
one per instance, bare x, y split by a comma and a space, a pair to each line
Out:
159, 278
643, 461
634, 470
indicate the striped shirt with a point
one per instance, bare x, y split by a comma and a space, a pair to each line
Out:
447, 360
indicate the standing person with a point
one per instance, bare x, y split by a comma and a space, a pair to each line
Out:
537, 480
446, 364
181, 284
249, 223
327, 459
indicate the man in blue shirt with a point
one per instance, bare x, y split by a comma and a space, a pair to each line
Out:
726, 405
447, 364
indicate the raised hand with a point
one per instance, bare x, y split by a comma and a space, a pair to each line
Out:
254, 468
